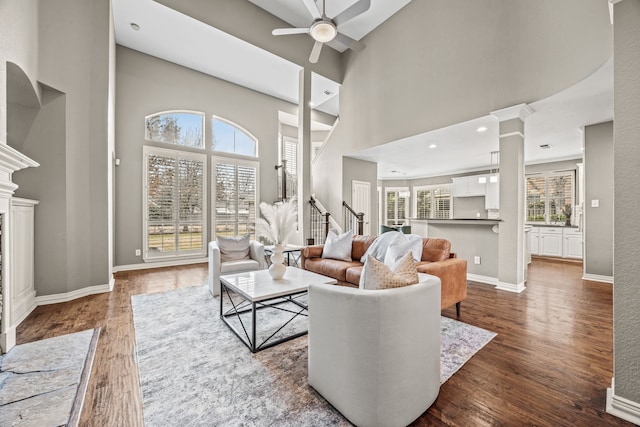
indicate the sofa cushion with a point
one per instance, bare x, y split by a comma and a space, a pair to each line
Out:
330, 267
360, 245
338, 247
239, 266
234, 248
376, 275
435, 250
353, 274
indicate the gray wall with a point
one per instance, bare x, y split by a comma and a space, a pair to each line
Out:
360, 170
69, 138
553, 166
147, 85
598, 177
626, 131
468, 241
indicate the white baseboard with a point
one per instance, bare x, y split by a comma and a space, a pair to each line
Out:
511, 287
482, 279
78, 293
158, 264
24, 311
621, 407
7, 340
597, 278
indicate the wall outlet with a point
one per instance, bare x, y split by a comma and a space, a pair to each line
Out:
138, 252
595, 203
476, 260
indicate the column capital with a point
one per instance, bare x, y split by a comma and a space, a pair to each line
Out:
521, 111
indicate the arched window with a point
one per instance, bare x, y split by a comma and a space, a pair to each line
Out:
230, 138
183, 128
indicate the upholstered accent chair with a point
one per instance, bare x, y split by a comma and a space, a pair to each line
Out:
217, 267
375, 354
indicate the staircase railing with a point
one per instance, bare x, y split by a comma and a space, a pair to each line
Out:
319, 227
352, 220
287, 183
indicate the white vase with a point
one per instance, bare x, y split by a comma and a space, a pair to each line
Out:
277, 268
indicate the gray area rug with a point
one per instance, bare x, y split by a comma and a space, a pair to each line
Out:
194, 371
43, 383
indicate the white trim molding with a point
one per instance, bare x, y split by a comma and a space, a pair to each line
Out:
520, 111
506, 135
159, 264
70, 296
597, 278
621, 407
511, 287
482, 279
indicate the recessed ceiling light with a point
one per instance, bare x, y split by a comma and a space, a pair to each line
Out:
433, 146
482, 129
135, 26
310, 103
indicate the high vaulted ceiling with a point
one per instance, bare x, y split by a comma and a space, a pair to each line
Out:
168, 34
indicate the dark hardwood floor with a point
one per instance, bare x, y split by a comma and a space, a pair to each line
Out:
550, 364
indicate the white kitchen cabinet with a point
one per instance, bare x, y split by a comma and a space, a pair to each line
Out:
492, 195
469, 186
534, 236
550, 241
572, 244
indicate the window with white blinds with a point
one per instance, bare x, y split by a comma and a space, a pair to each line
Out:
396, 206
174, 206
550, 197
432, 202
235, 195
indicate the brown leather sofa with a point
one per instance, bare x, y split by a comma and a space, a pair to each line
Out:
437, 259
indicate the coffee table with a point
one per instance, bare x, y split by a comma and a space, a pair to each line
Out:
257, 291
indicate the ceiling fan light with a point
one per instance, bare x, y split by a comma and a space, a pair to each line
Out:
323, 31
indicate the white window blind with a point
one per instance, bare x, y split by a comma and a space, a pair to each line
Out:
432, 202
174, 204
396, 206
235, 196
550, 197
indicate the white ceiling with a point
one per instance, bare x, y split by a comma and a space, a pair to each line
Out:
295, 13
556, 121
178, 38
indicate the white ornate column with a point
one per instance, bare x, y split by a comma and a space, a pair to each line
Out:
511, 238
10, 161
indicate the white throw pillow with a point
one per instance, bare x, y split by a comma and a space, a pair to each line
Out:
234, 248
338, 247
375, 275
378, 248
400, 246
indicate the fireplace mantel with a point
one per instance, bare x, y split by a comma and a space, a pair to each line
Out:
11, 160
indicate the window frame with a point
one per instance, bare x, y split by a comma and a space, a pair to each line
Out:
237, 161
547, 176
219, 153
148, 150
431, 188
407, 206
180, 111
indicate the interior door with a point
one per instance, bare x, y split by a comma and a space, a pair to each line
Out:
361, 202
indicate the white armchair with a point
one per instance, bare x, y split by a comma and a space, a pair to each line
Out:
375, 354
217, 267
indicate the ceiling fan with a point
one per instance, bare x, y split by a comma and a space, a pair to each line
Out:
324, 30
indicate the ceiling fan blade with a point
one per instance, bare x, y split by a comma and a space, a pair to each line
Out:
287, 31
352, 11
349, 42
315, 52
312, 7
